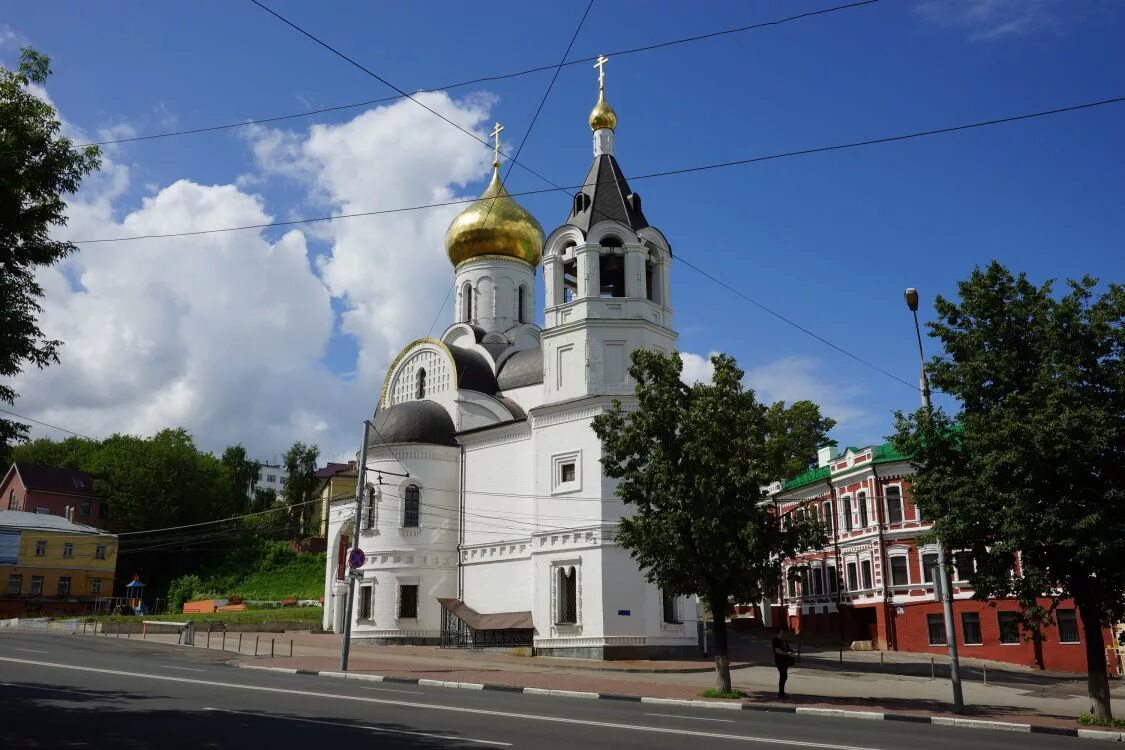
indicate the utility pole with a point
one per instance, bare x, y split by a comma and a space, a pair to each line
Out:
360, 491
942, 569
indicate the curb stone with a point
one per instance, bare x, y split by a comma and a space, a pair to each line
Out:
835, 713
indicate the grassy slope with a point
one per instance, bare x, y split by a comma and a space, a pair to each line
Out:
302, 578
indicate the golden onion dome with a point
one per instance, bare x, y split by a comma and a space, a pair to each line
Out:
602, 115
494, 224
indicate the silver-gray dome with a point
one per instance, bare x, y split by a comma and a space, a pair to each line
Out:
522, 368
412, 422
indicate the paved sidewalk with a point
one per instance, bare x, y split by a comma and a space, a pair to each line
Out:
1036, 698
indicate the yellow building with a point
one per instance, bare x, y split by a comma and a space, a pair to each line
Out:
50, 565
336, 481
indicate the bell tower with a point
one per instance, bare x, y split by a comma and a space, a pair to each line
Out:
606, 278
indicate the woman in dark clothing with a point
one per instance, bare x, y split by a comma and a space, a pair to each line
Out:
783, 658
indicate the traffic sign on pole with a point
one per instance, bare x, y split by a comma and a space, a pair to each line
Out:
356, 558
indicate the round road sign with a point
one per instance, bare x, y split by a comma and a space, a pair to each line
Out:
356, 558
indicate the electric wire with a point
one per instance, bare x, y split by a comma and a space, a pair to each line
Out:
483, 79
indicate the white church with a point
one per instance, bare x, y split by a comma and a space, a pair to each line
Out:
488, 521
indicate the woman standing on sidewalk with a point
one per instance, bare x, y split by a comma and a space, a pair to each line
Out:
783, 658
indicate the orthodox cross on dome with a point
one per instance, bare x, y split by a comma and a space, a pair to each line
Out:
495, 135
600, 65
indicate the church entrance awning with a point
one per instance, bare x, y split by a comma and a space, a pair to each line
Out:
464, 627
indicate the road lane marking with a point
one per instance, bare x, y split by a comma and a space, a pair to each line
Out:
31, 650
186, 669
368, 727
441, 707
693, 718
392, 690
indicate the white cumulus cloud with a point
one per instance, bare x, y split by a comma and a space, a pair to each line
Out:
225, 333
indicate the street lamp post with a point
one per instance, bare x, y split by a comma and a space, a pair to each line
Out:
911, 296
360, 492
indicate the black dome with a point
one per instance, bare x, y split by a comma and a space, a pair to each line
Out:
522, 368
412, 422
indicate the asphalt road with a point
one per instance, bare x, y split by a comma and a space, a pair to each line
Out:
90, 692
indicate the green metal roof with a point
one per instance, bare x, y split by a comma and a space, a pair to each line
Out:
880, 454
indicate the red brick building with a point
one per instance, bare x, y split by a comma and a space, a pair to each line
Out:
34, 488
874, 581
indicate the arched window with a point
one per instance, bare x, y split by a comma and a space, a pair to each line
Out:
861, 503
467, 302
566, 604
411, 508
521, 302
421, 382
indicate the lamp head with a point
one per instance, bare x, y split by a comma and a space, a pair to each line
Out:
911, 296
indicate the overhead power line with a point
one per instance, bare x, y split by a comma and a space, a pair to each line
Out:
635, 178
482, 79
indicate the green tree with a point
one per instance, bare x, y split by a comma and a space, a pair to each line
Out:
692, 462
243, 474
794, 434
300, 486
39, 167
1029, 474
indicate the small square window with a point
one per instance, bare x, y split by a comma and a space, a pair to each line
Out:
1009, 627
99, 552
41, 548
84, 509
407, 602
1068, 626
970, 628
36, 585
68, 550
566, 472
935, 625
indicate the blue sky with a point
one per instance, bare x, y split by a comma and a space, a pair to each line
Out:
829, 240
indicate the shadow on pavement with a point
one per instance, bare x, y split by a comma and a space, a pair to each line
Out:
37, 715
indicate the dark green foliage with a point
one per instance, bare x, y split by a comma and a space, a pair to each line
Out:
691, 463
301, 488
1034, 461
37, 169
242, 472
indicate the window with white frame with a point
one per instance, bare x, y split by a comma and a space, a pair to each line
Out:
36, 585
566, 472
847, 513
964, 565
366, 601
865, 570
853, 577
900, 570
861, 504
99, 552
826, 514
970, 628
95, 586
830, 576
64, 585
41, 548
411, 506
929, 566
817, 581
566, 595
894, 505
15, 583
67, 549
